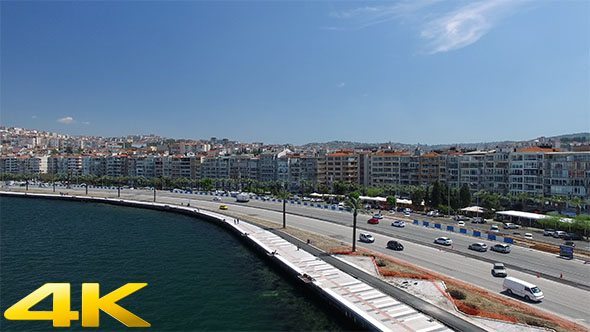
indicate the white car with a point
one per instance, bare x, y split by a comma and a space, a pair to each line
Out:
217, 199
528, 236
494, 229
378, 216
461, 223
406, 214
366, 237
444, 241
398, 223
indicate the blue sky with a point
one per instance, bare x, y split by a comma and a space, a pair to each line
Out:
416, 71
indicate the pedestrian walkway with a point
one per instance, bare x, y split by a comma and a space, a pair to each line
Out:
377, 309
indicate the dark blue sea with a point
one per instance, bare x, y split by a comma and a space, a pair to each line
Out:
200, 277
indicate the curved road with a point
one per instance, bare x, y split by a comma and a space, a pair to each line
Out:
460, 263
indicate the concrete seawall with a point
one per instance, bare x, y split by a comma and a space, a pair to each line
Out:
366, 306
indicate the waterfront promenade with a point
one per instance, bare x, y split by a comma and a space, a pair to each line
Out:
366, 303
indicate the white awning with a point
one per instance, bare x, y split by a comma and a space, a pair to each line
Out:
474, 209
374, 199
529, 215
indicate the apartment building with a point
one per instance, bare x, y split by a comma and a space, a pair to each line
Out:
526, 169
432, 168
20, 165
384, 168
567, 174
342, 166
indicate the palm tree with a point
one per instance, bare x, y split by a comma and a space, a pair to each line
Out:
284, 196
353, 203
559, 200
577, 202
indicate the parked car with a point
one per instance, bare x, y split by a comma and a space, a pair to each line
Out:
366, 237
548, 232
373, 221
498, 270
395, 245
479, 246
433, 214
572, 236
406, 214
494, 229
501, 247
559, 234
398, 223
444, 241
461, 223
460, 218
509, 225
478, 220
223, 207
528, 236
378, 216
524, 289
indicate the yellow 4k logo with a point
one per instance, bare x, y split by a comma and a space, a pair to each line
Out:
91, 305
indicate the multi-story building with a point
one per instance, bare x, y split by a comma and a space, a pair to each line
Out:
20, 165
526, 170
342, 166
431, 168
384, 168
567, 174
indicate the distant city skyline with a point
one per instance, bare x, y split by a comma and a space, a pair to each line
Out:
424, 71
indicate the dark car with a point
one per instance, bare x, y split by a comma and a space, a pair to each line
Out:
572, 236
570, 243
395, 245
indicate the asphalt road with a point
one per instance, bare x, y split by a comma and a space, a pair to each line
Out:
460, 263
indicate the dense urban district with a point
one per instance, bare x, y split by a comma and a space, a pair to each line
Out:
541, 175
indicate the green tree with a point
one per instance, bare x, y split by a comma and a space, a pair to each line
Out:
559, 201
582, 224
577, 203
417, 196
207, 184
374, 192
465, 196
354, 204
435, 195
391, 200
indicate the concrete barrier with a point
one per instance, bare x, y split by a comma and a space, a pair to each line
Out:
450, 228
416, 222
477, 233
491, 237
425, 223
508, 240
462, 231
341, 209
304, 203
437, 226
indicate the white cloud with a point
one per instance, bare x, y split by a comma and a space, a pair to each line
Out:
66, 120
366, 16
465, 25
33, 117
444, 29
340, 85
86, 122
